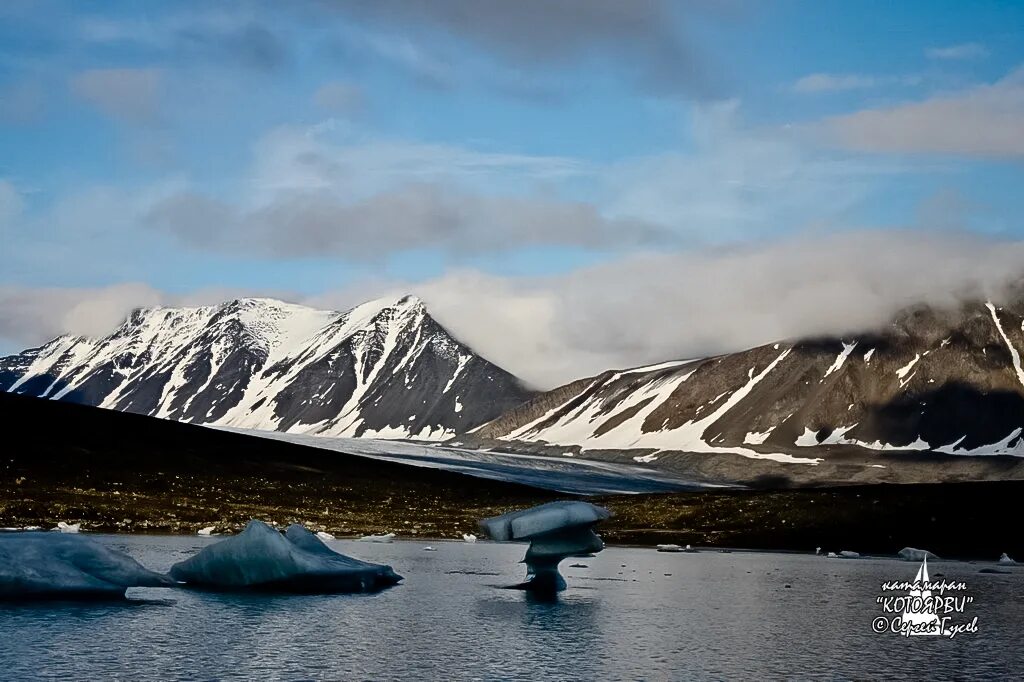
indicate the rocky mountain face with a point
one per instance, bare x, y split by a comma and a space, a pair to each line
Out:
384, 369
943, 381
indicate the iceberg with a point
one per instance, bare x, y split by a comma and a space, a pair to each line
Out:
41, 565
207, 531
468, 537
324, 535
387, 537
68, 527
556, 531
912, 554
1005, 559
261, 558
846, 554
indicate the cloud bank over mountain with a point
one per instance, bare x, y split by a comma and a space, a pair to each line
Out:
646, 308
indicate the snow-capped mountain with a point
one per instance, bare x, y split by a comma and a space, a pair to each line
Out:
946, 381
384, 369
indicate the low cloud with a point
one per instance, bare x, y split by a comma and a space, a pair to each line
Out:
986, 120
650, 308
958, 52
640, 309
30, 316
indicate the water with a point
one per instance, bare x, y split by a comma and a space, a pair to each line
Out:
632, 614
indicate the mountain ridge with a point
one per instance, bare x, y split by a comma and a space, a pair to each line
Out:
942, 380
383, 368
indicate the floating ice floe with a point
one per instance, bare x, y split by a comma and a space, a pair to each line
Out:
1005, 559
556, 531
387, 537
912, 554
208, 530
468, 537
68, 527
38, 566
670, 548
261, 558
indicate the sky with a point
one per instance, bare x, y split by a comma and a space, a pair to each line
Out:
570, 185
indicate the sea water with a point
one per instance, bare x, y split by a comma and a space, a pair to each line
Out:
628, 614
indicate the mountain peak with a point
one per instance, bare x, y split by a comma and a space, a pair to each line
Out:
410, 301
382, 368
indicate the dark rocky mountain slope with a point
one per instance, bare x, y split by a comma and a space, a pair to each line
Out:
383, 369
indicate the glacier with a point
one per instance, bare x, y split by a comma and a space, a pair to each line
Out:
47, 566
556, 531
261, 558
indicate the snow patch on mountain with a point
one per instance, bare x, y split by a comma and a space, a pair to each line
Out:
384, 368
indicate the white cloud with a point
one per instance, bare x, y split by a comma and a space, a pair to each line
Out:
639, 309
958, 52
835, 82
339, 97
11, 204
30, 316
738, 182
321, 191
128, 94
985, 120
326, 191
826, 82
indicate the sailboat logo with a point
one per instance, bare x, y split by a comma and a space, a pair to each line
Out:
920, 612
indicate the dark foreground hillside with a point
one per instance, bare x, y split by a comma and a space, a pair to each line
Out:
123, 472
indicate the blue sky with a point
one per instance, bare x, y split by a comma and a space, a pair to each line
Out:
323, 151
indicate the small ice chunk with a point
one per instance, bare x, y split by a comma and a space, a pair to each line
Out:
428, 548
261, 558
912, 554
832, 555
387, 537
35, 566
68, 527
669, 548
556, 531
1005, 559
324, 535
208, 530
845, 554
468, 537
